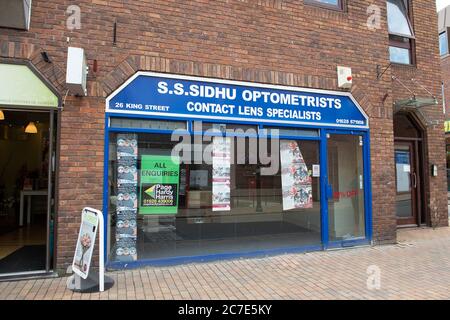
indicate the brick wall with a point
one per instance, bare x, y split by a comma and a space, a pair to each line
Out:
445, 73
280, 42
428, 74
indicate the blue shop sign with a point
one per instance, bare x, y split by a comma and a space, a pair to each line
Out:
176, 96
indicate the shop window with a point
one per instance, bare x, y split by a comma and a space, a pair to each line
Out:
331, 4
443, 43
147, 124
220, 127
214, 206
286, 131
401, 34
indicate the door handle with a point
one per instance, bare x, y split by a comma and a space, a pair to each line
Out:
415, 180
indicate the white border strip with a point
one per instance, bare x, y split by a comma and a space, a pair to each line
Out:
237, 83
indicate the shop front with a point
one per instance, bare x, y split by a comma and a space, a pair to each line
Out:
201, 169
29, 108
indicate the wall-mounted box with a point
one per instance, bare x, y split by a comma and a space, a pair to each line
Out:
345, 78
77, 70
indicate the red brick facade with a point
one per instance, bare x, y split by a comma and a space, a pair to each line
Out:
445, 72
276, 41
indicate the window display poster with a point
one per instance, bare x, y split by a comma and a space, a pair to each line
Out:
85, 244
295, 178
160, 176
126, 200
221, 158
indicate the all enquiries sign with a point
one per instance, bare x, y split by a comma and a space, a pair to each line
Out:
178, 96
159, 185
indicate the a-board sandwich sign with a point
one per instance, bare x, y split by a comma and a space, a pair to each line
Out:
85, 243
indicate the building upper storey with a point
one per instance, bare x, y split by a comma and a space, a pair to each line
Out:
306, 37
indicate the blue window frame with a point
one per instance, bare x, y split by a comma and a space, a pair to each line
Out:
291, 133
366, 184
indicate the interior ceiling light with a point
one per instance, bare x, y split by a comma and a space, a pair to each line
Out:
31, 128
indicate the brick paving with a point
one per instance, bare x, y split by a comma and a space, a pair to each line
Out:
418, 267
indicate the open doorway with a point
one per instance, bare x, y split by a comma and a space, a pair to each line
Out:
409, 171
26, 156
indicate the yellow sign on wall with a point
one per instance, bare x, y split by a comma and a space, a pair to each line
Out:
447, 126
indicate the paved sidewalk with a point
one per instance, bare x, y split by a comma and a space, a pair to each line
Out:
418, 267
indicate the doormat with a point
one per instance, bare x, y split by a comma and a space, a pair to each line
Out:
27, 258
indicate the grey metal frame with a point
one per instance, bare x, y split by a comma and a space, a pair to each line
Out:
49, 190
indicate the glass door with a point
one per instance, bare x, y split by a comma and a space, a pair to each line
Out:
346, 207
406, 183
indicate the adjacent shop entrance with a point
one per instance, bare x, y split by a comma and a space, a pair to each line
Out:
28, 111
26, 144
408, 171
